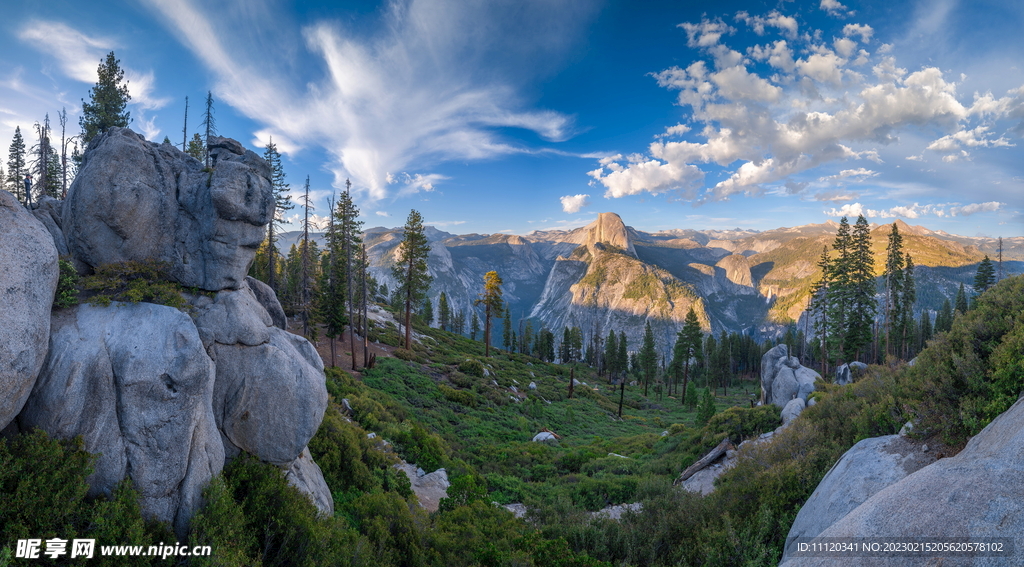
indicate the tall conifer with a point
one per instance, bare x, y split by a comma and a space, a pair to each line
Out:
411, 268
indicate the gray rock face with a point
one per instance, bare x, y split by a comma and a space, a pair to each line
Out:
136, 200
51, 223
268, 299
868, 467
270, 398
783, 378
792, 410
429, 488
974, 494
843, 375
231, 317
138, 394
28, 280
304, 474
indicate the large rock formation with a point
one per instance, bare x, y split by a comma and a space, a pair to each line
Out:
28, 280
868, 467
136, 200
975, 494
163, 396
783, 378
135, 382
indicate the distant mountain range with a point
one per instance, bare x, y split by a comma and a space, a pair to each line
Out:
607, 275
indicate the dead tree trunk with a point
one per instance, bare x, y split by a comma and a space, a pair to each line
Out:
704, 462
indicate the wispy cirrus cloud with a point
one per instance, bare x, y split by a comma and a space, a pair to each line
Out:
79, 55
437, 80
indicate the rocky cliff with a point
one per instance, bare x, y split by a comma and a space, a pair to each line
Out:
163, 394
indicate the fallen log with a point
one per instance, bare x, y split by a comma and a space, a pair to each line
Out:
704, 462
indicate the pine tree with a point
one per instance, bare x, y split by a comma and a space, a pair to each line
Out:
961, 300
493, 305
687, 347
690, 397
444, 314
861, 315
944, 319
611, 356
924, 329
508, 336
17, 166
333, 282
894, 276
459, 322
209, 123
282, 202
411, 269
819, 306
474, 326
909, 297
306, 252
197, 149
648, 358
63, 117
985, 277
705, 407
107, 101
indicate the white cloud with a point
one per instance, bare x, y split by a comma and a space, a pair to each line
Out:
382, 213
677, 130
787, 24
835, 196
79, 55
952, 143
863, 30
573, 203
916, 210
436, 82
147, 127
443, 223
835, 8
707, 33
763, 126
414, 183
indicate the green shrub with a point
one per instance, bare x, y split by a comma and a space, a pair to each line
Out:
66, 294
458, 396
472, 367
135, 281
705, 408
740, 423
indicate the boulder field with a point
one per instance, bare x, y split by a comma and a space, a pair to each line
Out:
164, 395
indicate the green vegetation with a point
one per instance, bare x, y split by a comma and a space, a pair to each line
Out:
135, 281
446, 407
66, 294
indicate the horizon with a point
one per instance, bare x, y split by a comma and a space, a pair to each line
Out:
750, 116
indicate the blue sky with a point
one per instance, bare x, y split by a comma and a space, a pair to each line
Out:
538, 114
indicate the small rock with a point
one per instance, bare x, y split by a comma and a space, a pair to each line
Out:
518, 509
533, 386
907, 428
513, 388
924, 448
664, 433
371, 435
617, 455
545, 436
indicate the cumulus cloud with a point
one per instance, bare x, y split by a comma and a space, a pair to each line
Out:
765, 125
573, 203
79, 55
436, 82
835, 8
916, 210
382, 213
787, 24
835, 196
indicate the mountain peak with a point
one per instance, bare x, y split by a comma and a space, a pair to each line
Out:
609, 229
